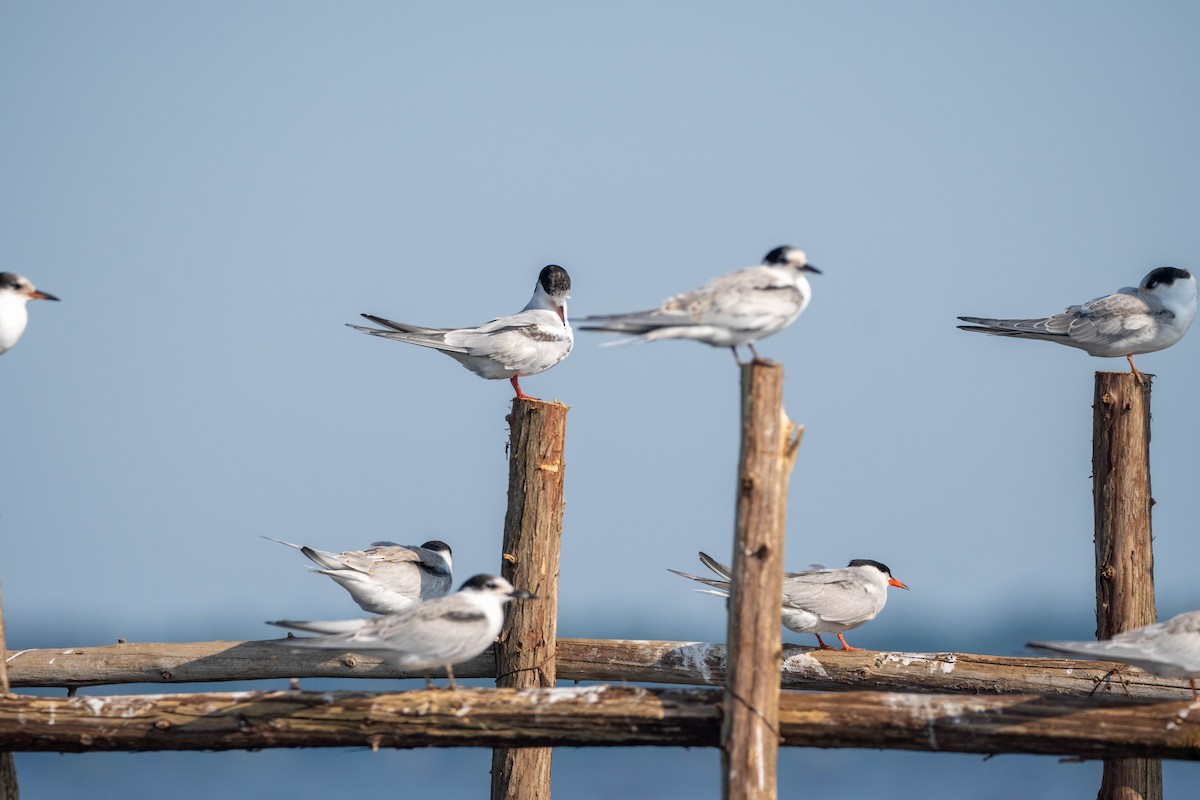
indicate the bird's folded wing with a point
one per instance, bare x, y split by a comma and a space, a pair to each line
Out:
836, 601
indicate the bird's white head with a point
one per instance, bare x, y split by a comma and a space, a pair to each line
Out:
19, 286
15, 292
882, 569
494, 586
786, 256
1175, 287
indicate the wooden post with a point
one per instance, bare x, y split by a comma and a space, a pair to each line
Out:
525, 654
750, 727
8, 765
1124, 557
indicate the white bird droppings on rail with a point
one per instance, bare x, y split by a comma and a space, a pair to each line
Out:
943, 662
694, 656
588, 694
804, 665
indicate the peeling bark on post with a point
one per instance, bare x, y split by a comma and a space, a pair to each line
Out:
1124, 555
750, 728
525, 654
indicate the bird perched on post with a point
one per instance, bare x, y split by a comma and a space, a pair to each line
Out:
1168, 649
386, 577
820, 600
526, 343
1129, 322
15, 292
734, 309
437, 633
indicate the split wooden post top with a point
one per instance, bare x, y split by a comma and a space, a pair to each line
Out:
1124, 554
525, 653
750, 729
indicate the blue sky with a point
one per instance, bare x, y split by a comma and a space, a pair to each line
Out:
214, 191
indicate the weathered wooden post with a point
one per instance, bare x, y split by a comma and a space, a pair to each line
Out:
525, 655
1124, 556
8, 766
750, 726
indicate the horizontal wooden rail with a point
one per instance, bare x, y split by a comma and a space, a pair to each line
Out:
600, 660
596, 716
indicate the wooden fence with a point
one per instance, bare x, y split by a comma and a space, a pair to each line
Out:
950, 702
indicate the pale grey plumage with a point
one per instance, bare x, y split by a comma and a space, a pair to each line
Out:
1170, 649
526, 343
735, 309
386, 577
437, 633
820, 600
1153, 316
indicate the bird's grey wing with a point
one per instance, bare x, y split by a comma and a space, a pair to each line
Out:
1176, 640
403, 327
633, 322
831, 596
1110, 317
386, 557
1055, 328
281, 541
817, 574
435, 626
394, 553
413, 334
748, 298
1157, 662
528, 323
335, 626
716, 566
432, 562
1187, 622
324, 560
722, 586
511, 341
1101, 320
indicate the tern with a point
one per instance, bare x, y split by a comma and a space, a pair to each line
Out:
1168, 649
732, 310
15, 292
437, 633
820, 600
386, 577
1131, 321
526, 343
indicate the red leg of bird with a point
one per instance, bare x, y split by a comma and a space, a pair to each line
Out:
845, 644
735, 357
1137, 375
450, 677
517, 385
1195, 694
821, 642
